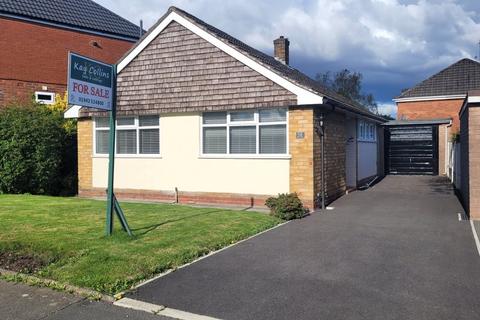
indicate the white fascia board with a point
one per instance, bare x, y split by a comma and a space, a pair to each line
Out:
304, 96
431, 98
473, 99
72, 113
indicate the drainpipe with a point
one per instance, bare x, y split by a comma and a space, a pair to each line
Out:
320, 129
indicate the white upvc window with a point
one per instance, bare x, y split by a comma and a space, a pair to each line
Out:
45, 97
134, 136
366, 131
245, 133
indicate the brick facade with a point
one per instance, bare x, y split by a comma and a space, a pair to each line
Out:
305, 165
85, 152
434, 109
180, 72
35, 55
335, 150
464, 159
470, 160
301, 138
184, 197
22, 91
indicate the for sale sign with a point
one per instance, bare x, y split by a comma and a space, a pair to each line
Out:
90, 82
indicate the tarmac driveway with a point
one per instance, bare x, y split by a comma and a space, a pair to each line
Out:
395, 251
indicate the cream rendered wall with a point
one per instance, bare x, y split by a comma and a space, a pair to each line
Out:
180, 166
367, 159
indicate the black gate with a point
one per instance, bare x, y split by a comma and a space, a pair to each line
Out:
412, 149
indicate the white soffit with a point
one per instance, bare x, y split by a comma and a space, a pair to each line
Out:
304, 96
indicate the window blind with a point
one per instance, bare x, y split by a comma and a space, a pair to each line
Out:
243, 139
126, 121
148, 121
273, 115
101, 141
215, 118
127, 141
149, 141
242, 116
215, 140
273, 139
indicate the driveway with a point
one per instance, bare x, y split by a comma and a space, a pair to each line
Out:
395, 251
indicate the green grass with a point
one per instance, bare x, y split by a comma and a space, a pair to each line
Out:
68, 233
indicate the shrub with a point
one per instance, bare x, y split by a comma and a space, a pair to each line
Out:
286, 206
36, 151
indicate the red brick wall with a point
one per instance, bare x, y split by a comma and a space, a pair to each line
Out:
38, 54
22, 91
473, 161
435, 109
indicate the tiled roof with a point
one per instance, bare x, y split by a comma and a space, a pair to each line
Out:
81, 14
273, 64
457, 79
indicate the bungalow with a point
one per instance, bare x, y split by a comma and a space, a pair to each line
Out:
205, 118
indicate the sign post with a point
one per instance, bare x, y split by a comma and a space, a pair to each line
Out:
93, 84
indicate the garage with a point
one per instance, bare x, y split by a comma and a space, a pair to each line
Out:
411, 147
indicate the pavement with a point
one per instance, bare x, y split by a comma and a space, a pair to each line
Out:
23, 302
394, 251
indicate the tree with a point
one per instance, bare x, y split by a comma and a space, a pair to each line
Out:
348, 84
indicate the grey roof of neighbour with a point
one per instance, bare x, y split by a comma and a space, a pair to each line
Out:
417, 122
79, 14
457, 79
273, 64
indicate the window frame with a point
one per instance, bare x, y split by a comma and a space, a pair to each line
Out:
369, 133
252, 123
138, 128
43, 101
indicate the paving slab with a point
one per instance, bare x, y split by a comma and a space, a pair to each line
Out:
394, 251
23, 302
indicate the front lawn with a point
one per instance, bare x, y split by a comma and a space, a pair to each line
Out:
67, 236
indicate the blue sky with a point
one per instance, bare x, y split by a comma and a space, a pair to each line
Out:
393, 43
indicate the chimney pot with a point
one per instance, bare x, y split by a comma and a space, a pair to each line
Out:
281, 49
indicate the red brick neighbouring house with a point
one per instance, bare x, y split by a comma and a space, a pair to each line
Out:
441, 96
36, 36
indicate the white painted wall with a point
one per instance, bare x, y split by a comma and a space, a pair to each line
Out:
367, 159
180, 166
351, 152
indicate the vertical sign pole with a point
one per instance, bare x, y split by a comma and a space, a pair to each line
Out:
111, 156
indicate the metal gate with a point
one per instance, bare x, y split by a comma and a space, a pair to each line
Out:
412, 149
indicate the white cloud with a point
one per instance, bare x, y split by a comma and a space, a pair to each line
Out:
388, 108
406, 40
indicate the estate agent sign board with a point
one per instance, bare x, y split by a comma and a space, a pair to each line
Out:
93, 84
90, 82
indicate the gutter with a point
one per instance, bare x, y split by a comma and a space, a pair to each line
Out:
336, 104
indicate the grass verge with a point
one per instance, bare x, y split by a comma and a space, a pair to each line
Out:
67, 236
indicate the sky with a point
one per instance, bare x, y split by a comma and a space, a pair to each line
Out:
393, 43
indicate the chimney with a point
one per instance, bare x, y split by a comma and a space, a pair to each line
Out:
280, 46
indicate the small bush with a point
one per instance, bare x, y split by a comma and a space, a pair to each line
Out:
37, 151
286, 206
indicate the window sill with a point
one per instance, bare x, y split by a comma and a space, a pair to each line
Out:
130, 156
245, 156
